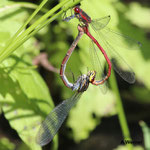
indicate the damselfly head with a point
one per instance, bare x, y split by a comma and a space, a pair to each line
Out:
91, 75
76, 9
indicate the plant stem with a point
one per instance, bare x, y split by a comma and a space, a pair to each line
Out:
146, 134
25, 24
120, 110
20, 38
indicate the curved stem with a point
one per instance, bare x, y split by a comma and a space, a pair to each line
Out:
121, 113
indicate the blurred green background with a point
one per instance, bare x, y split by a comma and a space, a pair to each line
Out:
27, 94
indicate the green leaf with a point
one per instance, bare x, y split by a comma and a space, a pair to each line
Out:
2, 3
24, 96
139, 15
22, 104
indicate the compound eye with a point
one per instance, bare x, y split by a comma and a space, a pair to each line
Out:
92, 76
76, 9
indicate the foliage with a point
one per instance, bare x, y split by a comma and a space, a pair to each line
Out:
24, 96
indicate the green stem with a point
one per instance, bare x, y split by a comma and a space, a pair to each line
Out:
146, 134
21, 41
34, 28
24, 25
120, 110
55, 143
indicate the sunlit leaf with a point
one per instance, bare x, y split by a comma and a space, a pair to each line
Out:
139, 15
24, 96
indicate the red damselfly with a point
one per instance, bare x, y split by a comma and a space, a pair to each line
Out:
107, 38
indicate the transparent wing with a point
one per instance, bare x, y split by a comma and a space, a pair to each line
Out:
54, 120
115, 38
119, 64
121, 40
98, 63
100, 23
